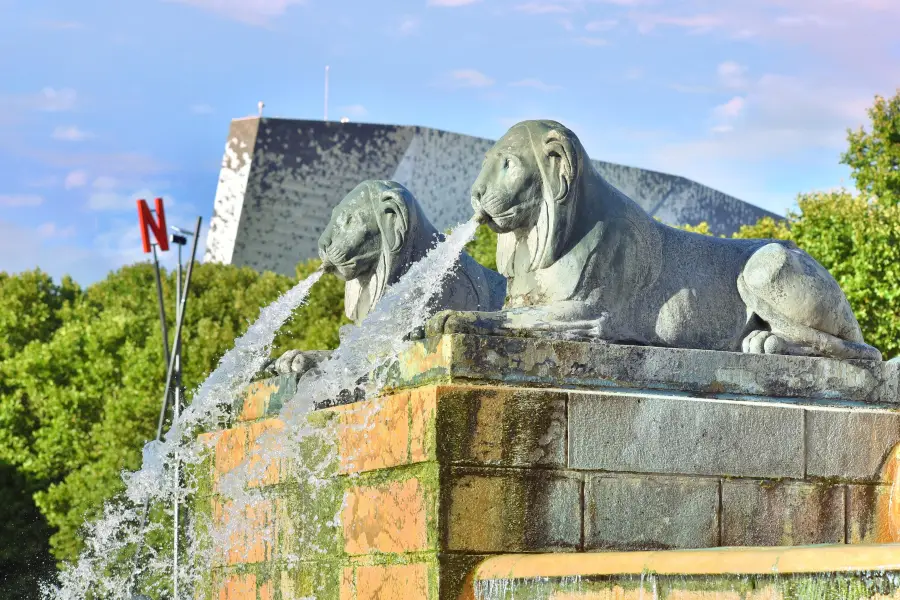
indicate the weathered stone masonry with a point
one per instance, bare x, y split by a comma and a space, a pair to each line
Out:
515, 445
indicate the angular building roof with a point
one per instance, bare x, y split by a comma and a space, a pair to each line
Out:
280, 179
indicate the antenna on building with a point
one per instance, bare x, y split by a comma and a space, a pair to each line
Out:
260, 105
326, 92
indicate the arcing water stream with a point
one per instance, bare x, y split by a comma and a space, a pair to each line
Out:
107, 568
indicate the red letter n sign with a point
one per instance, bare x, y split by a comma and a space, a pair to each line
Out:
158, 225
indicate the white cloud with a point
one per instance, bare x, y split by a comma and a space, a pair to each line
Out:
732, 75
601, 25
71, 133
201, 109
535, 84
698, 23
634, 73
592, 41
469, 78
20, 200
408, 26
451, 3
542, 8
731, 109
251, 12
52, 230
75, 179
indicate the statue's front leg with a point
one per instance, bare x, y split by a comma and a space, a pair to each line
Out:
297, 361
564, 319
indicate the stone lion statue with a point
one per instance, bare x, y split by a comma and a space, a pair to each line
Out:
584, 260
376, 232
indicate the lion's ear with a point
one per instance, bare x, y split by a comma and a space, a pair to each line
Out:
394, 219
560, 155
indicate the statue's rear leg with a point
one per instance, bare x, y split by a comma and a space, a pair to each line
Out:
802, 306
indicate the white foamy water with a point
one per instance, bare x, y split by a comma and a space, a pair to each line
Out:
365, 347
103, 570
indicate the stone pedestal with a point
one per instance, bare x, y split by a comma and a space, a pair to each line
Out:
494, 446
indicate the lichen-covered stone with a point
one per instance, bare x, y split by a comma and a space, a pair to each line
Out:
506, 510
645, 513
784, 513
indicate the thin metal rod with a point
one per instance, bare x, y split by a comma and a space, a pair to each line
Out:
170, 374
162, 308
176, 411
182, 304
326, 92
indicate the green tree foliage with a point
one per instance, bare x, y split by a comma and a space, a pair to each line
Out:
874, 156
483, 247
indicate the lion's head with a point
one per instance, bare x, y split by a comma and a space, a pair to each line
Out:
373, 233
529, 185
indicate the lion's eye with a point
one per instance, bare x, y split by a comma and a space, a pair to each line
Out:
505, 163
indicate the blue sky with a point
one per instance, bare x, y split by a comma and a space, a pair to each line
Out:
104, 101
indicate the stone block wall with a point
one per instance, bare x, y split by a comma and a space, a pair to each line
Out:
431, 480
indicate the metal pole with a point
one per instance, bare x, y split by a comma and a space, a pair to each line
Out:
176, 412
169, 376
162, 307
326, 92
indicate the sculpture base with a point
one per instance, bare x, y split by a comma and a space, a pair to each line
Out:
492, 446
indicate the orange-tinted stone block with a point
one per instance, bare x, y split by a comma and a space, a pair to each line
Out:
250, 536
230, 450
423, 415
385, 518
257, 400
265, 591
374, 434
392, 582
887, 508
265, 470
238, 587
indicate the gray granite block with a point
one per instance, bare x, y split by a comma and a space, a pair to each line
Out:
786, 513
564, 363
851, 445
645, 513
676, 435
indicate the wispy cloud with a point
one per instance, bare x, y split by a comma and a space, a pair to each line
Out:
251, 12
543, 8
467, 78
732, 75
451, 3
20, 200
75, 179
535, 84
202, 109
408, 25
51, 230
71, 133
601, 25
52, 100
353, 111
698, 23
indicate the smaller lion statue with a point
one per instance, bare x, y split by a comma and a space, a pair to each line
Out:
376, 232
583, 260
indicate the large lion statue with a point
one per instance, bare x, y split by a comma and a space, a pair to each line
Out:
376, 232
584, 260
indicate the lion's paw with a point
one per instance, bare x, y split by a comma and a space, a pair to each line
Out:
454, 321
764, 342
